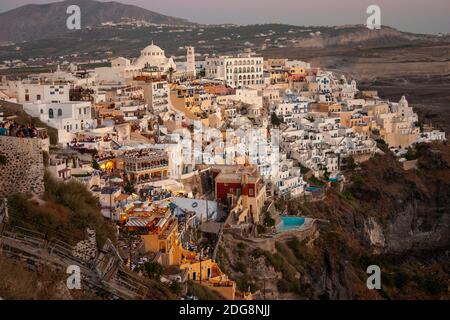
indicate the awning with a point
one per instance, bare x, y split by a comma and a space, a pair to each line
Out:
138, 222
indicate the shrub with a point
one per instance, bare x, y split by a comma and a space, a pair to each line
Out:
274, 120
401, 279
241, 246
203, 292
3, 160
411, 154
283, 285
382, 145
348, 195
95, 165
153, 270
257, 252
261, 229
433, 284
69, 209
316, 182
175, 287
350, 163
246, 283
269, 221
84, 206
240, 267
129, 188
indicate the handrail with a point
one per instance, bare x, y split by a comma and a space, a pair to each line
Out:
57, 254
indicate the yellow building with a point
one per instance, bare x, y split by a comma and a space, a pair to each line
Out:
274, 63
327, 107
297, 71
345, 117
375, 110
163, 239
191, 100
207, 273
278, 75
401, 135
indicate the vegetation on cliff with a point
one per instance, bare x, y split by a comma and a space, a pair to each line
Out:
396, 219
67, 210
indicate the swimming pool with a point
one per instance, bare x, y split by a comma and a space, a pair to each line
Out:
313, 189
290, 223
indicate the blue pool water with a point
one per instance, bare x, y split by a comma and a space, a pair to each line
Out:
290, 223
312, 189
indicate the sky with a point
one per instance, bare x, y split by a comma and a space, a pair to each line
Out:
420, 16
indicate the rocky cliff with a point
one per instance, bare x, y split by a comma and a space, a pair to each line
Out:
396, 219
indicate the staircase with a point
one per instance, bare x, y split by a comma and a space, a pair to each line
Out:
107, 276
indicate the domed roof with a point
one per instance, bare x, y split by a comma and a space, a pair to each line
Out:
152, 48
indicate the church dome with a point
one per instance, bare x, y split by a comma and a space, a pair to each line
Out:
153, 56
152, 50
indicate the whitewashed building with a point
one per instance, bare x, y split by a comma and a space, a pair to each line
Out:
243, 70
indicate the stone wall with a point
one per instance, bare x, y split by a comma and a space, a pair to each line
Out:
24, 168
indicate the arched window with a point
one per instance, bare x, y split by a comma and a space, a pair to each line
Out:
50, 113
42, 111
60, 112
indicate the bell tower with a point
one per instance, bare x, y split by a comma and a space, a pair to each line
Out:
190, 58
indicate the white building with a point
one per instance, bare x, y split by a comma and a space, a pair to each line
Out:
58, 169
433, 135
31, 91
154, 56
156, 95
152, 59
248, 96
243, 70
71, 116
287, 180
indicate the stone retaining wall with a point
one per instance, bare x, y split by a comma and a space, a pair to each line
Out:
24, 168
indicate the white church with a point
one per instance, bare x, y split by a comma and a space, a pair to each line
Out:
152, 60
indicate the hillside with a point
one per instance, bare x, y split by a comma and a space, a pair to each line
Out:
33, 22
396, 219
62, 215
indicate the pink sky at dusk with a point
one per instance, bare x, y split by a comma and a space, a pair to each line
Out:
422, 16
